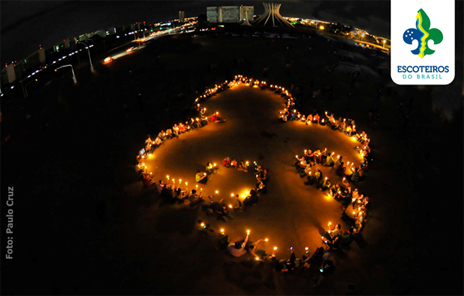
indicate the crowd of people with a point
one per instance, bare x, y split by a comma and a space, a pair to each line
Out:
176, 192
308, 165
196, 122
242, 247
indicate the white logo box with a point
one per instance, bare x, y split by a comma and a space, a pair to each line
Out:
403, 17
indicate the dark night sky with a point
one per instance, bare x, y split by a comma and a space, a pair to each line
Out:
26, 24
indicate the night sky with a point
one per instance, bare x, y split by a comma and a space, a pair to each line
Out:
26, 24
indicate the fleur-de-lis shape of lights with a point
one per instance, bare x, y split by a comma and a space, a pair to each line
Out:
422, 33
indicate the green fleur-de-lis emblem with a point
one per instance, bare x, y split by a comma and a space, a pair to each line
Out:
423, 34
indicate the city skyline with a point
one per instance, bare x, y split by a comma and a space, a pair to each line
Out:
26, 25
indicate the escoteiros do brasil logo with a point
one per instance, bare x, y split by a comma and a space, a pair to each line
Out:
422, 33
423, 54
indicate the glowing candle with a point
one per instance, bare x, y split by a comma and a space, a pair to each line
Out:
248, 231
257, 258
275, 248
167, 177
222, 230
231, 195
186, 183
217, 191
230, 206
266, 239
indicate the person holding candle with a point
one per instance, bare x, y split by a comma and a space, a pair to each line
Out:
237, 204
217, 118
307, 170
147, 179
284, 116
233, 163
348, 171
226, 162
330, 118
345, 183
260, 187
182, 194
326, 184
316, 118
175, 130
182, 128
317, 156
319, 178
309, 156
195, 198
309, 119
254, 251
335, 232
338, 163
157, 142
300, 162
356, 229
333, 190
335, 126
237, 249
324, 156
242, 166
148, 140
169, 134
329, 161
209, 168
251, 199
160, 186
162, 135
148, 146
201, 177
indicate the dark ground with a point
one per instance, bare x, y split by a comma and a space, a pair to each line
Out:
78, 230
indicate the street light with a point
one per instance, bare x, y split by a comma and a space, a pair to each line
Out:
88, 51
72, 69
